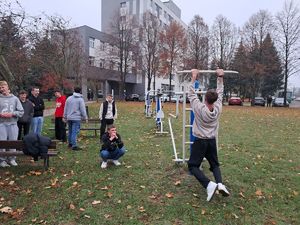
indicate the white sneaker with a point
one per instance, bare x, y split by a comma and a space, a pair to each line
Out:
104, 165
4, 164
116, 162
13, 162
222, 189
211, 189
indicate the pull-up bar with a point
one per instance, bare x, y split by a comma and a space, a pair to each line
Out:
208, 71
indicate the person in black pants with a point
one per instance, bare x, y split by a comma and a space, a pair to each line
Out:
107, 113
60, 125
25, 120
205, 130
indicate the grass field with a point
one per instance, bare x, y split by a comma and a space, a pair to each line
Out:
259, 156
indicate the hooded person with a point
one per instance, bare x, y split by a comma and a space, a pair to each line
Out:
74, 112
10, 110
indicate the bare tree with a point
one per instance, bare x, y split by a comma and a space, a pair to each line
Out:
257, 28
150, 46
174, 45
198, 36
288, 40
223, 41
58, 50
124, 30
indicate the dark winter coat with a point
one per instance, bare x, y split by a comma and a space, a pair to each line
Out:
36, 145
111, 145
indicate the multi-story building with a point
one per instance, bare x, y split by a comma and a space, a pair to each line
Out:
165, 11
102, 73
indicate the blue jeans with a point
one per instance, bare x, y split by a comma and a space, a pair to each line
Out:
114, 155
74, 128
37, 124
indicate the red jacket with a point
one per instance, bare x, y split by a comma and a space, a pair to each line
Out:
60, 106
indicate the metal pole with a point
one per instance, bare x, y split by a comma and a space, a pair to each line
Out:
183, 123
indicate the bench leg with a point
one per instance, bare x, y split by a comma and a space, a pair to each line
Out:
46, 163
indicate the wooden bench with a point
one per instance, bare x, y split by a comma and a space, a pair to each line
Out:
19, 146
93, 124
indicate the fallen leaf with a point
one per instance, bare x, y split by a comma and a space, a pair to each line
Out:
109, 194
178, 182
54, 182
141, 209
87, 216
6, 209
242, 195
129, 207
235, 216
96, 202
107, 216
81, 209
142, 186
71, 206
170, 195
259, 192
203, 211
11, 183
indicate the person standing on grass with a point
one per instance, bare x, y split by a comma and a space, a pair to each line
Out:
74, 112
112, 147
60, 125
10, 110
25, 120
205, 129
107, 113
39, 106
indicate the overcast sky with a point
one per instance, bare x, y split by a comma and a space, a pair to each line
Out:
88, 12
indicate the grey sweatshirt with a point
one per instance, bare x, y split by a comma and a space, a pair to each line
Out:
206, 122
75, 108
10, 104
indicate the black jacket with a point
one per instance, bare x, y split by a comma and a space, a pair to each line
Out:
38, 105
111, 145
36, 145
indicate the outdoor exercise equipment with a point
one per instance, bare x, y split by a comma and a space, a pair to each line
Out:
186, 109
159, 115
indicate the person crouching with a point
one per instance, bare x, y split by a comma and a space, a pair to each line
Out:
112, 147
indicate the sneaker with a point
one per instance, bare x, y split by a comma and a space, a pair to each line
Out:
4, 164
222, 189
116, 162
13, 163
211, 189
69, 146
104, 165
76, 148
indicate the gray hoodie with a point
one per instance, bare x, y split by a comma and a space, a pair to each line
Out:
10, 104
75, 108
206, 122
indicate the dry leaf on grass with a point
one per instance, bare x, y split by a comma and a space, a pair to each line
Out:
170, 195
178, 182
6, 209
96, 202
141, 209
72, 206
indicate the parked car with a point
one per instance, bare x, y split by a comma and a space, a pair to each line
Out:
295, 103
133, 97
235, 101
258, 101
279, 102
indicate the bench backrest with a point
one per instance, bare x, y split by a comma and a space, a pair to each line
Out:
20, 144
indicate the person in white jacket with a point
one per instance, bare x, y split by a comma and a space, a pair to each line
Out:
205, 129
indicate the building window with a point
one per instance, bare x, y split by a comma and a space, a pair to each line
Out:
102, 63
102, 45
92, 42
123, 5
91, 61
